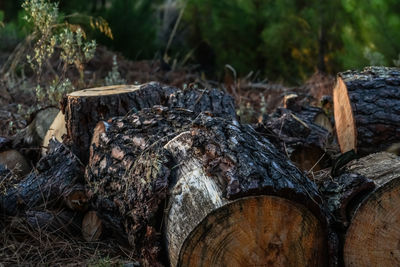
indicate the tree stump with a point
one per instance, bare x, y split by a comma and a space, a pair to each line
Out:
374, 217
213, 169
367, 109
83, 109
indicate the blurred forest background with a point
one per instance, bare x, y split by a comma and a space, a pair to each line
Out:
285, 41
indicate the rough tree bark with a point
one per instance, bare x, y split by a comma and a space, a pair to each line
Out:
58, 179
83, 109
367, 109
211, 168
128, 172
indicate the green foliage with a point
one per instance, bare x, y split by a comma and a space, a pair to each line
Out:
134, 26
281, 38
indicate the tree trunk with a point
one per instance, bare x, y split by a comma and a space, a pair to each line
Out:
372, 214
58, 180
211, 168
367, 109
83, 109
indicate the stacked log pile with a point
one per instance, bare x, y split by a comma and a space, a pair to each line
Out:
173, 175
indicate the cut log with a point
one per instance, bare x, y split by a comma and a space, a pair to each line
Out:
34, 133
58, 178
237, 201
211, 168
374, 217
57, 130
308, 145
83, 109
367, 109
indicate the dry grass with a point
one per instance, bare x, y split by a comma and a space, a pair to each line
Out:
20, 244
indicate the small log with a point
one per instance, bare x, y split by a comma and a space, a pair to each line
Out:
366, 108
373, 213
307, 144
211, 168
34, 133
58, 178
83, 109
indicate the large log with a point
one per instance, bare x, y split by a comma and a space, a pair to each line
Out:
237, 201
58, 179
213, 169
83, 109
364, 200
372, 237
367, 109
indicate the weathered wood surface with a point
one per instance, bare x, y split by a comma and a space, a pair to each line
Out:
136, 161
367, 109
83, 109
56, 180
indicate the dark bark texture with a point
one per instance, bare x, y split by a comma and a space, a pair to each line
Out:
82, 113
55, 181
297, 136
128, 174
375, 98
341, 192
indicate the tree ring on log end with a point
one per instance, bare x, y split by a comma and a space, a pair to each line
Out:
256, 231
373, 238
344, 118
106, 90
